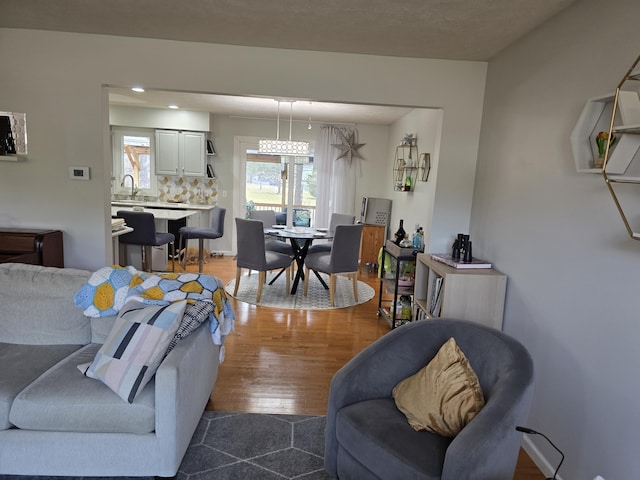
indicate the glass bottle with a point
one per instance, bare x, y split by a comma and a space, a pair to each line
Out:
416, 237
400, 234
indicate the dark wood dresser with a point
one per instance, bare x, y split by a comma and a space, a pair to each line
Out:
37, 247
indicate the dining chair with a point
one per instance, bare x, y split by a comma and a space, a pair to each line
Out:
341, 259
144, 234
268, 219
216, 230
252, 254
336, 219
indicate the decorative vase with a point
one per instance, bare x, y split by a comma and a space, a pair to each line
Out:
598, 162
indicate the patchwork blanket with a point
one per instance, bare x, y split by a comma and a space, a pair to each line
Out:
109, 288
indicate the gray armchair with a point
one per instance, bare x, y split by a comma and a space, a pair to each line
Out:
253, 255
367, 437
341, 259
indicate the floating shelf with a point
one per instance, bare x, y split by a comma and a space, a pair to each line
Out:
595, 118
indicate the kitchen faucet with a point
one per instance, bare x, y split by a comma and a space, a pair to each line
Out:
134, 190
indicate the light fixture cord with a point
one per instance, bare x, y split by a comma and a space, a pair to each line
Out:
290, 118
278, 128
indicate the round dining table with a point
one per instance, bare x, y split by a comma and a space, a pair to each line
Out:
301, 239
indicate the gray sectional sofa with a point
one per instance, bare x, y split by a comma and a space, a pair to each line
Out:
56, 421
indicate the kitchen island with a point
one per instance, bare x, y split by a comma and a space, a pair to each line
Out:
166, 220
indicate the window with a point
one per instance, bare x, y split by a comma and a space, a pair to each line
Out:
133, 154
274, 182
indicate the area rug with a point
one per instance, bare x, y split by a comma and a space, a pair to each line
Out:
249, 446
317, 298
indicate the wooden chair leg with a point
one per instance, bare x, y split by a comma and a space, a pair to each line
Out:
306, 280
262, 278
173, 256
332, 289
288, 280
238, 273
355, 285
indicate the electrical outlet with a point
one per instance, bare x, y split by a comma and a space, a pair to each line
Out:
224, 194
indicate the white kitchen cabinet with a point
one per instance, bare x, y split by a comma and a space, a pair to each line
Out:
180, 153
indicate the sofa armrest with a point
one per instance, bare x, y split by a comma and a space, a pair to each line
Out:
184, 382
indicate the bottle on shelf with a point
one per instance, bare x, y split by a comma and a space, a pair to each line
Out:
417, 237
400, 233
408, 183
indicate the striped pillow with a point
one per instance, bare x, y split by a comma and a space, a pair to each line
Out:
132, 352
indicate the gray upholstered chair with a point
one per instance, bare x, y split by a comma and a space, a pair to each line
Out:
216, 230
367, 437
336, 219
341, 259
268, 219
253, 255
144, 234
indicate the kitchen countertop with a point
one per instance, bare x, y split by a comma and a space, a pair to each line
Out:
159, 213
166, 205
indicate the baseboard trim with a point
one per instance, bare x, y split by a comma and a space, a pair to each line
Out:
540, 460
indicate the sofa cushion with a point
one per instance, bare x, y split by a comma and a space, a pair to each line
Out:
136, 345
63, 399
21, 365
376, 434
443, 396
37, 305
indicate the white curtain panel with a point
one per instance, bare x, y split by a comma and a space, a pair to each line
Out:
336, 177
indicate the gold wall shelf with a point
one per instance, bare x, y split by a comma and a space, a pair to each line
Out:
629, 85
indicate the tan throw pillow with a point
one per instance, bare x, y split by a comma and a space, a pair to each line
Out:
443, 396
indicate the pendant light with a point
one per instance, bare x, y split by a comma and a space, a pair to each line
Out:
284, 147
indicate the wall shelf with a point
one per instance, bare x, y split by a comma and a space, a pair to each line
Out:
595, 118
405, 168
622, 157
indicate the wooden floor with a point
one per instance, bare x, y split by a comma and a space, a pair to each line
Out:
281, 361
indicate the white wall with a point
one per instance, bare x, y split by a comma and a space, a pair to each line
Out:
57, 79
574, 274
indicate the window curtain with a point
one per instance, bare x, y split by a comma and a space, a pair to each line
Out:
336, 178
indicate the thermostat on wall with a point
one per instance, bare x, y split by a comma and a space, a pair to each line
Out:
79, 173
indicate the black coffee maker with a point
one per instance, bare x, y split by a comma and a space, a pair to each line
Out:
7, 143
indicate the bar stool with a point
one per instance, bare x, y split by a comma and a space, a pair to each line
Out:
144, 234
216, 231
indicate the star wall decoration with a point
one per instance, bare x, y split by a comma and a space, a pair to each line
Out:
348, 148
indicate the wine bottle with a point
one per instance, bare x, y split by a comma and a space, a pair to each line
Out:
400, 234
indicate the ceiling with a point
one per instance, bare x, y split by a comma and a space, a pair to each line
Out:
442, 29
